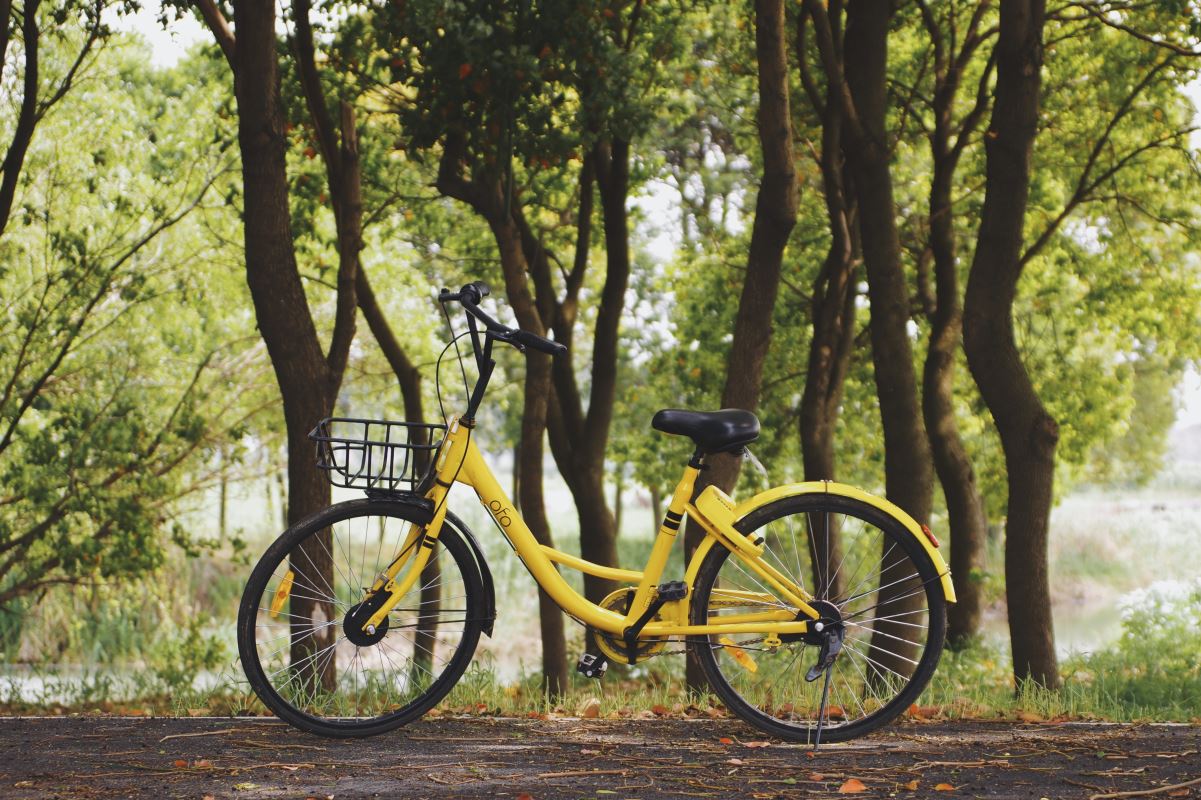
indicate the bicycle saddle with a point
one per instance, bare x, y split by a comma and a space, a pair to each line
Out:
725, 431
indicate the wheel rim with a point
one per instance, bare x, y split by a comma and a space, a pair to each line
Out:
884, 591
302, 654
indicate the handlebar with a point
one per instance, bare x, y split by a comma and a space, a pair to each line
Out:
470, 296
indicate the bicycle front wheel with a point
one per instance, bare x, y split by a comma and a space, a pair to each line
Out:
868, 575
327, 677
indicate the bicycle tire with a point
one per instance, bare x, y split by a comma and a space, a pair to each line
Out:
866, 693
328, 707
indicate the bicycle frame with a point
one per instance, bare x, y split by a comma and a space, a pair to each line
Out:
459, 461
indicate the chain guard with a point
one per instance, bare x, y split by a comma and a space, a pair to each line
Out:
614, 647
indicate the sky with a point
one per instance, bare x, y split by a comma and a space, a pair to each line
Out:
168, 46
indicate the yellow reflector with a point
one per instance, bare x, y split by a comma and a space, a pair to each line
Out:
740, 655
281, 595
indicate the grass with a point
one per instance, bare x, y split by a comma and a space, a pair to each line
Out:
122, 649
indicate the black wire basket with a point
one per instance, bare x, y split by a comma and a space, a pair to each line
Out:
376, 453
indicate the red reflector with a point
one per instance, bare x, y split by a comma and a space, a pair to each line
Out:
930, 536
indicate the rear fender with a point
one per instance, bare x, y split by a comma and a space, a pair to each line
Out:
830, 487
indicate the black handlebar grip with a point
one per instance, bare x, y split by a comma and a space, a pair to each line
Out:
474, 292
533, 340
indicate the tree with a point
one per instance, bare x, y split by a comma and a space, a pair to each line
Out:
908, 472
832, 303
948, 137
1028, 433
308, 376
775, 215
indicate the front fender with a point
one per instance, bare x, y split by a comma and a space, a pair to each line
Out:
844, 490
425, 511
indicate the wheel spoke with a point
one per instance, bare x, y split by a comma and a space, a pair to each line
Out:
889, 646
425, 642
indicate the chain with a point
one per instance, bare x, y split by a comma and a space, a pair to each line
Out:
683, 651
741, 646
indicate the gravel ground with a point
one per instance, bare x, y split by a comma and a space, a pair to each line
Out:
87, 757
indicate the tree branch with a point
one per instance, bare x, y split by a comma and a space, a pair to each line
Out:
26, 118
216, 22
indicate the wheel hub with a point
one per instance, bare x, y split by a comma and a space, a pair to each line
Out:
828, 615
356, 618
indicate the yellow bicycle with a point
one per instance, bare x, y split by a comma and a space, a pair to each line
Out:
815, 610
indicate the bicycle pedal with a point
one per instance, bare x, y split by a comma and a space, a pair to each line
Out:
591, 665
673, 590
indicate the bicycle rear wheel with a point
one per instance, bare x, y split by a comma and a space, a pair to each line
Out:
866, 571
326, 677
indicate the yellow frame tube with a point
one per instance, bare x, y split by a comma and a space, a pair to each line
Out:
792, 593
589, 568
459, 460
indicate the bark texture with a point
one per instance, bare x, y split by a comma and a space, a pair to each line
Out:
485, 194
1028, 433
965, 507
908, 469
832, 307
775, 216
308, 378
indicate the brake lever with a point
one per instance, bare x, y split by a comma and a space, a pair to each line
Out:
506, 339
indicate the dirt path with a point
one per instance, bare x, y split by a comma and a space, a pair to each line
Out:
569, 758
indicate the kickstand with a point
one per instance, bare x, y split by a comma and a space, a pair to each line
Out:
823, 710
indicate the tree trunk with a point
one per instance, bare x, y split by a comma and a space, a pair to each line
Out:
409, 380
533, 430
775, 216
533, 504
1028, 433
579, 439
308, 385
833, 313
908, 469
965, 507
484, 194
27, 117
516, 495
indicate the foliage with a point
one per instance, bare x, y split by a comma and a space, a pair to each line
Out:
118, 371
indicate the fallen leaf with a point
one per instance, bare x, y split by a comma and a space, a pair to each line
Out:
943, 787
245, 787
659, 710
852, 786
590, 709
525, 796
1182, 792
756, 744
726, 740
911, 786
738, 762
924, 712
203, 763
816, 776
1030, 716
179, 762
